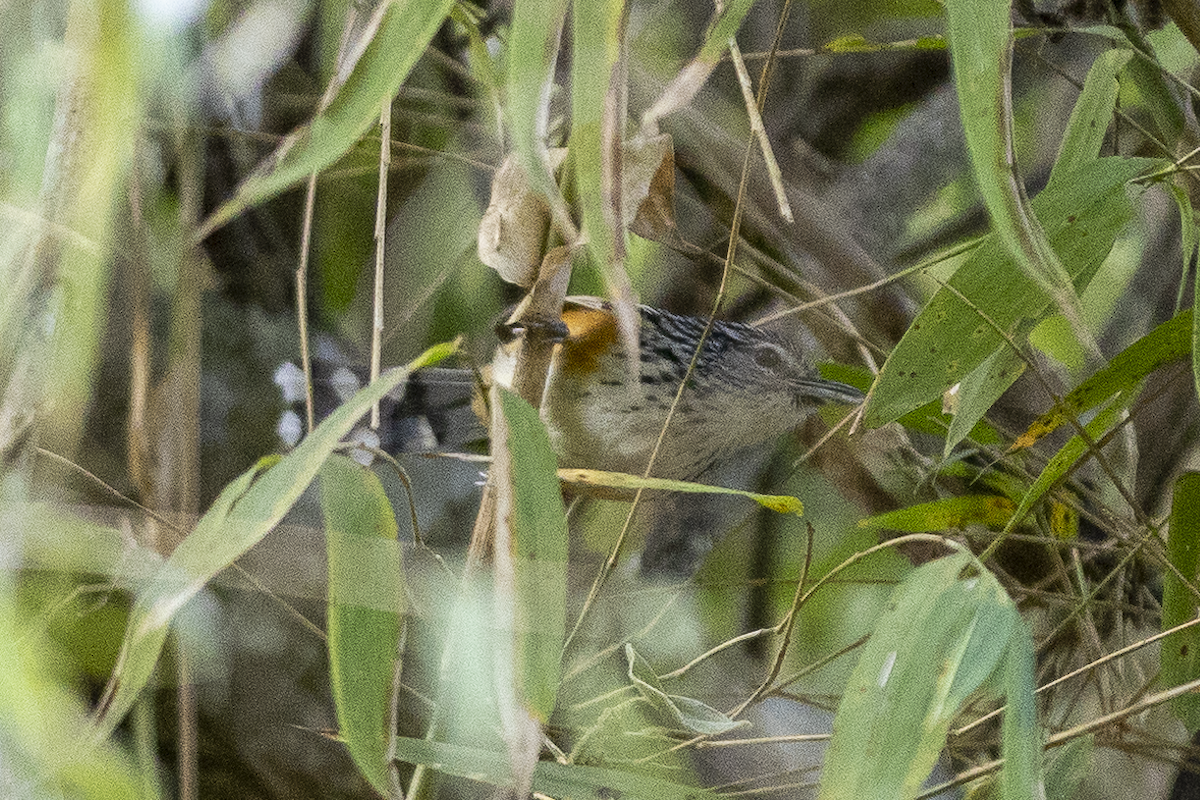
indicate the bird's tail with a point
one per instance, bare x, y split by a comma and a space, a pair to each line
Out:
430, 412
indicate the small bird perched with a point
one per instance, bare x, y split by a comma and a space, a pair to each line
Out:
748, 386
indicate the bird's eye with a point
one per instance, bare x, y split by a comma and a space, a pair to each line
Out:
770, 357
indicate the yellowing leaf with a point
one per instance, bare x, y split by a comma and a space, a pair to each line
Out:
951, 512
595, 478
1168, 342
1064, 521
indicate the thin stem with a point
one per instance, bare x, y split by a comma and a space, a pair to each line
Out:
385, 161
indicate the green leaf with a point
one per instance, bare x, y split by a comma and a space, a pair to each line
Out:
403, 32
176, 582
1054, 337
550, 778
721, 28
532, 55
1156, 95
1066, 768
239, 518
531, 549
484, 66
951, 336
49, 537
1122, 375
931, 418
1067, 456
622, 734
1187, 234
950, 512
678, 712
1189, 243
980, 33
1093, 111
691, 78
1020, 736
598, 91
979, 391
42, 712
1180, 653
366, 606
98, 115
782, 503
852, 43
946, 631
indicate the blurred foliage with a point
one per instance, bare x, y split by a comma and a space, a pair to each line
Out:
1010, 273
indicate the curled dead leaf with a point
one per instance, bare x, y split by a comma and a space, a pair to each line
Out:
648, 191
512, 233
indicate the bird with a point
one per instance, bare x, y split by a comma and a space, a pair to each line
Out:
749, 385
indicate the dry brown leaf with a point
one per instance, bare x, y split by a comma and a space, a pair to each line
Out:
512, 233
649, 187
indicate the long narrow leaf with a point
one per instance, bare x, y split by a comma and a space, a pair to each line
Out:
1089, 120
530, 578
533, 53
979, 391
595, 478
243, 513
366, 605
1080, 146
598, 111
689, 80
946, 631
403, 33
1180, 652
1066, 458
535, 544
550, 778
1022, 776
949, 512
980, 33
1083, 214
1168, 342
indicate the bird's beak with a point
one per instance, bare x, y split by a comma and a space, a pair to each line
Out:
831, 392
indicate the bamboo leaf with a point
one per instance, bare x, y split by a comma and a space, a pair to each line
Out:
532, 56
954, 333
688, 81
783, 504
365, 611
531, 549
980, 33
550, 778
1180, 653
403, 32
680, 713
1123, 375
1092, 113
1066, 458
241, 516
950, 512
945, 634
